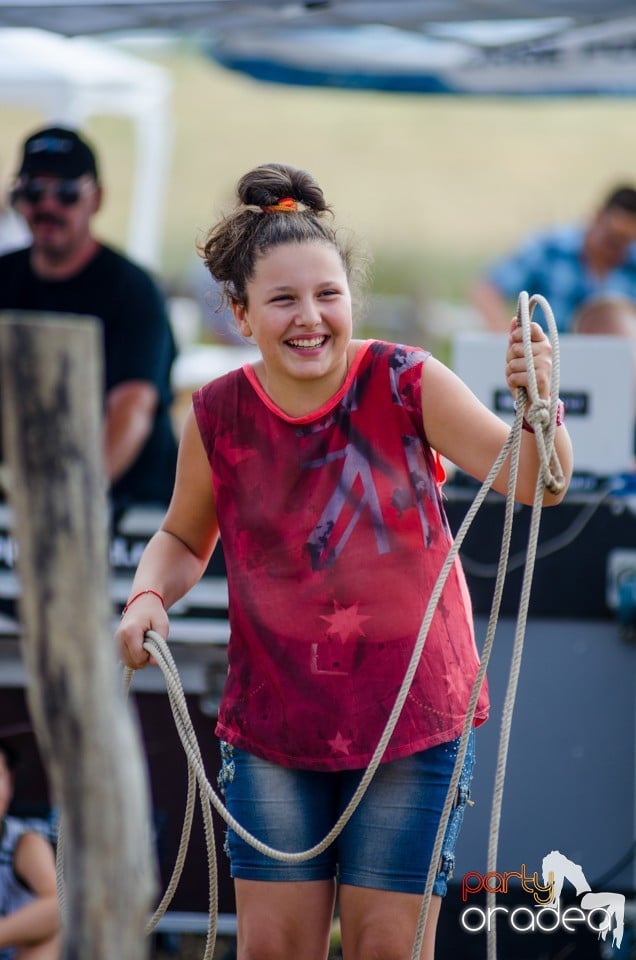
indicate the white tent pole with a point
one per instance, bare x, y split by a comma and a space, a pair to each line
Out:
153, 149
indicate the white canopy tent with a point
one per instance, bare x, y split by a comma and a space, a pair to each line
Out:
71, 79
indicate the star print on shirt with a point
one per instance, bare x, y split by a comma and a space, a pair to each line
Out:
345, 622
339, 744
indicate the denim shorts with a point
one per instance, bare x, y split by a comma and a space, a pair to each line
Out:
387, 843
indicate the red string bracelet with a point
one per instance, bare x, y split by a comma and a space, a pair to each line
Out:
141, 594
560, 417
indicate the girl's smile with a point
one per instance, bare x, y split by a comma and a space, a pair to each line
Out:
307, 343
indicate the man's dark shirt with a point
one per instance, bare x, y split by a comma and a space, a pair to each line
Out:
138, 345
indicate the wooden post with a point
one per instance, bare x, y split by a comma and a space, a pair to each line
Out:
51, 369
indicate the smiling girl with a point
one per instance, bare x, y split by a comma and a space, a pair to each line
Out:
318, 466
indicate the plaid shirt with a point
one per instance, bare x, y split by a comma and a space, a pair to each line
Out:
551, 264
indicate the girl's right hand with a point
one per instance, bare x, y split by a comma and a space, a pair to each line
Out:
147, 613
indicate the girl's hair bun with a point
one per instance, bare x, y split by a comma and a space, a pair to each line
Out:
266, 185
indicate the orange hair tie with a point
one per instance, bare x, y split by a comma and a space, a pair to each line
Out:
284, 205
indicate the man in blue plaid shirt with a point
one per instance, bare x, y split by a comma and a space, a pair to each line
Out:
569, 265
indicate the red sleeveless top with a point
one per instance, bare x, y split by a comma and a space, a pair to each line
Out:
334, 533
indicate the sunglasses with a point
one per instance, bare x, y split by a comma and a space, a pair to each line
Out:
65, 192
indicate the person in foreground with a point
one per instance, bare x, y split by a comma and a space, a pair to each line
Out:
30, 926
319, 467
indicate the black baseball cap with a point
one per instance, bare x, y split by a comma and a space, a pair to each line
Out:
57, 152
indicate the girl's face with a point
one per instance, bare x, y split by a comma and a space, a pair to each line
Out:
299, 314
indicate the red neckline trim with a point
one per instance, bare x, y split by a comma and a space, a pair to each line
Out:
248, 370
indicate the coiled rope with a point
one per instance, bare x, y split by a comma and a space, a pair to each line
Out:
541, 414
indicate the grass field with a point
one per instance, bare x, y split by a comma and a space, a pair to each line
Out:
433, 186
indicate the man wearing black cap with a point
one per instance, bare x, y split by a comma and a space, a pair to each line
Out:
67, 270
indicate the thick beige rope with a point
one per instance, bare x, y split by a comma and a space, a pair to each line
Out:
550, 476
